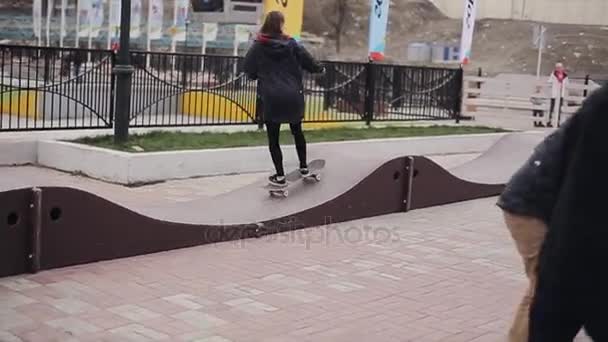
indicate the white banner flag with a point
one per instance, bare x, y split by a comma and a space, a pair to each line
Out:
209, 31
96, 17
179, 20
37, 18
155, 19
84, 18
114, 18
468, 28
64, 5
243, 33
135, 18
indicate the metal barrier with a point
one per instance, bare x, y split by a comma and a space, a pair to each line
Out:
59, 88
50, 88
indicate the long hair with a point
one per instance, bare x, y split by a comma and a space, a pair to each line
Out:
273, 24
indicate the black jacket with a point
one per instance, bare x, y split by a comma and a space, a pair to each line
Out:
277, 63
533, 189
572, 275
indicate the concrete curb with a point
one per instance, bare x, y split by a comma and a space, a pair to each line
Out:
18, 152
136, 168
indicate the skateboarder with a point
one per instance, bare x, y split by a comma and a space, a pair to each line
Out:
276, 61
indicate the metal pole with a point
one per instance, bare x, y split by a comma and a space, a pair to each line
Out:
49, 14
124, 72
541, 43
109, 37
77, 24
148, 30
62, 33
36, 213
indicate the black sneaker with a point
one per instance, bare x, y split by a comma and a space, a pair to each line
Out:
278, 181
304, 171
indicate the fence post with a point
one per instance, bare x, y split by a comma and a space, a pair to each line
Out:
329, 97
112, 92
47, 65
397, 100
370, 92
587, 77
459, 100
124, 73
259, 109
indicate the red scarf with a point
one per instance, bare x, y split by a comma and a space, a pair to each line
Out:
265, 38
560, 75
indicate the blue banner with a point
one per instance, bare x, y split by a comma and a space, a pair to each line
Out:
378, 21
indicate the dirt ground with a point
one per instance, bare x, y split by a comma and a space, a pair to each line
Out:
501, 46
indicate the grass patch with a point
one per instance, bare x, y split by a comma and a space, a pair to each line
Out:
173, 141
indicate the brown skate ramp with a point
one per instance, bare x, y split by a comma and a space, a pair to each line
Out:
501, 161
252, 203
56, 227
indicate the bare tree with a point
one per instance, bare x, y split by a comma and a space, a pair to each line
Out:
337, 14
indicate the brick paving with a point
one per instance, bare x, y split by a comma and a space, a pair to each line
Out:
446, 273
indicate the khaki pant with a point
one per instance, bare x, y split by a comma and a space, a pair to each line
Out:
528, 234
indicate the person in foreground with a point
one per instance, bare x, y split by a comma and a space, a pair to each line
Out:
276, 61
527, 203
572, 285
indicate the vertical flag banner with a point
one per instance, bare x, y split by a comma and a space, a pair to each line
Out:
63, 31
155, 19
96, 17
135, 19
114, 24
468, 28
84, 18
242, 33
179, 20
210, 31
378, 22
293, 10
37, 18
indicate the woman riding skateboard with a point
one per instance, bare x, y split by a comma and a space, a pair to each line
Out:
276, 61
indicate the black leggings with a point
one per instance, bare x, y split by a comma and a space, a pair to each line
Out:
274, 129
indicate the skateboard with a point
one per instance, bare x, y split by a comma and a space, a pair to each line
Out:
314, 175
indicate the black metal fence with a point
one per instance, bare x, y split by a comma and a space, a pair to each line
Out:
52, 88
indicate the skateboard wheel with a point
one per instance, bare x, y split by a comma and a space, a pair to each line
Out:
285, 193
318, 178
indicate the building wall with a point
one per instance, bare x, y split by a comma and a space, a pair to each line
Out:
584, 12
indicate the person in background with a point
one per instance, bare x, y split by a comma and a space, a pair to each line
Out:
527, 204
558, 82
538, 114
572, 285
276, 61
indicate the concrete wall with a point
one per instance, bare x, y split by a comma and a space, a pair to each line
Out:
583, 12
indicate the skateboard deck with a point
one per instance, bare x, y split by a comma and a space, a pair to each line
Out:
292, 178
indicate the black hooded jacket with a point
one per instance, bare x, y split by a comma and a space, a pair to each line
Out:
533, 189
573, 271
277, 64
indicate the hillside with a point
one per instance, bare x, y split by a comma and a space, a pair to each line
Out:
500, 45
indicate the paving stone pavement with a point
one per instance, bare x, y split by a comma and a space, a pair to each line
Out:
446, 273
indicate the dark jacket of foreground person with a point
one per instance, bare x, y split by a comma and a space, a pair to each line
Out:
533, 189
572, 290
276, 62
